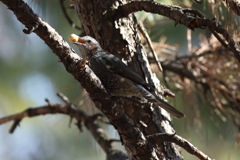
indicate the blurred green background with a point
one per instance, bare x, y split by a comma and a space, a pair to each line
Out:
30, 72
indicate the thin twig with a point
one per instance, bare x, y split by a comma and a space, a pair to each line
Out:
63, 97
67, 17
148, 40
219, 38
15, 124
73, 112
180, 15
190, 148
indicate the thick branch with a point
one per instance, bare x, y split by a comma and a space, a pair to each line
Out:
133, 139
133, 136
188, 17
173, 12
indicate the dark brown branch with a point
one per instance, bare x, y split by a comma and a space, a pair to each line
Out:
65, 53
219, 38
190, 148
84, 75
48, 109
70, 110
221, 93
172, 12
216, 27
234, 5
179, 70
96, 131
188, 17
14, 126
133, 139
36, 24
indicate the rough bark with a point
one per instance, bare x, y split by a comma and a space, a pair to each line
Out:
120, 37
145, 130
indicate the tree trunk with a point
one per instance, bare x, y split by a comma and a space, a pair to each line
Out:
120, 37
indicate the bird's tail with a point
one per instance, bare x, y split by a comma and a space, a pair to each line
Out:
155, 99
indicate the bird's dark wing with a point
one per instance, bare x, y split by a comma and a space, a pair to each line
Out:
116, 66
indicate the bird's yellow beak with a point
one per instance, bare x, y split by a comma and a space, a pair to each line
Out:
75, 38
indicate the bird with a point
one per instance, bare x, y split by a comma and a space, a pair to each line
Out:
118, 78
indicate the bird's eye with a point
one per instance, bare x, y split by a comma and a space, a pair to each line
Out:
89, 41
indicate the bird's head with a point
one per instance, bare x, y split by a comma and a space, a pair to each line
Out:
86, 44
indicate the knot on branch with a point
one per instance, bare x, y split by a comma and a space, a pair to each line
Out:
31, 29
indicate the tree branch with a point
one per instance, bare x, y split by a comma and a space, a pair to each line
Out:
96, 131
188, 17
234, 5
173, 12
133, 138
190, 148
72, 24
210, 66
69, 109
149, 42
